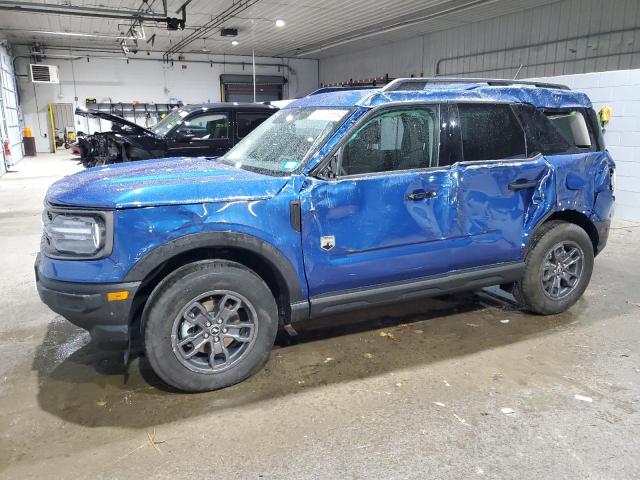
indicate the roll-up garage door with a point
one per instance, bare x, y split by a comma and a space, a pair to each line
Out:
239, 88
9, 113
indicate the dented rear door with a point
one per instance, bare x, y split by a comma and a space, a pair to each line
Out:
500, 192
496, 203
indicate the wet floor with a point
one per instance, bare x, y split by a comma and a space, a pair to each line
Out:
464, 386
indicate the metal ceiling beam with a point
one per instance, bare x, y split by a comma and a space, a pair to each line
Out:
217, 21
183, 6
67, 34
70, 57
83, 11
84, 50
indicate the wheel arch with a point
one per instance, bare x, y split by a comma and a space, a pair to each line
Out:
579, 219
252, 252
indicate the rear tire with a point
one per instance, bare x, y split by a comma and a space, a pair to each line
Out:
558, 268
209, 325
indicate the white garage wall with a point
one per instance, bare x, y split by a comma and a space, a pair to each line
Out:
621, 91
10, 126
145, 81
564, 37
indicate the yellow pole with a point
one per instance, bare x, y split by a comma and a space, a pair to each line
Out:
52, 132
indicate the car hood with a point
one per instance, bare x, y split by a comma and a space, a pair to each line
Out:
114, 119
167, 181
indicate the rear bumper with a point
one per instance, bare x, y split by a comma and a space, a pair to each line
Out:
602, 228
86, 305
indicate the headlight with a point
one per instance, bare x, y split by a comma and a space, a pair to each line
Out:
76, 233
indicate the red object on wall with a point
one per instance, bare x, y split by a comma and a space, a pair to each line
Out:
7, 148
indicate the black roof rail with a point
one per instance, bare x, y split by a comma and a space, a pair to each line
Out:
341, 88
416, 83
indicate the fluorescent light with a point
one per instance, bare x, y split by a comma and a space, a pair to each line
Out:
234, 43
280, 23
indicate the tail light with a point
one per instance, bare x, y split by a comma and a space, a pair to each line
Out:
612, 179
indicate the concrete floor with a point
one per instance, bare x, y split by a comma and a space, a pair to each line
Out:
347, 400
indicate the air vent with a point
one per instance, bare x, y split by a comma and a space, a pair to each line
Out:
44, 73
229, 32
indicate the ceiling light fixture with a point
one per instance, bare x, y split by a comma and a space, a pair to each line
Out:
234, 43
280, 23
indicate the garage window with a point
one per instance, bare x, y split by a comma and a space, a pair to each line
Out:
490, 132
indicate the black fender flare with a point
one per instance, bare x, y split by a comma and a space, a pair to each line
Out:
219, 239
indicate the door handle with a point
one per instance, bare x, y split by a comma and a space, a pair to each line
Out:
520, 185
421, 195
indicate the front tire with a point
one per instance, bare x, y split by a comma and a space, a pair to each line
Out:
209, 325
558, 268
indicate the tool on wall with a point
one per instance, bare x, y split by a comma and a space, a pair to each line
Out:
61, 123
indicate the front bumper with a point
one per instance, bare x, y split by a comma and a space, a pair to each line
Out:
86, 305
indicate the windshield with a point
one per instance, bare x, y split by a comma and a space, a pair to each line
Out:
167, 123
285, 140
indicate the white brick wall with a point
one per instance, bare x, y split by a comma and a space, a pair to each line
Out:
621, 91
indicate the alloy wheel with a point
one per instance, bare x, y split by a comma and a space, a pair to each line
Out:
214, 331
562, 269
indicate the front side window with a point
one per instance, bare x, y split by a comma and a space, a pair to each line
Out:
395, 140
211, 126
283, 142
167, 123
490, 132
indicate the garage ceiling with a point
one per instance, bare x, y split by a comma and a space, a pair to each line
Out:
313, 29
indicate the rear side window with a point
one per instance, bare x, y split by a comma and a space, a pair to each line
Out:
542, 136
210, 126
573, 126
490, 132
247, 121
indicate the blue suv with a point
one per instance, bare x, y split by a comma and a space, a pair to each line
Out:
340, 201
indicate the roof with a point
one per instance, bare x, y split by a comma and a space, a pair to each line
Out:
235, 105
540, 97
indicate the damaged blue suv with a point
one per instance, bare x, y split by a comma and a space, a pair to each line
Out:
340, 201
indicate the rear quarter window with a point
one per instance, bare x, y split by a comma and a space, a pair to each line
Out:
541, 135
573, 127
577, 127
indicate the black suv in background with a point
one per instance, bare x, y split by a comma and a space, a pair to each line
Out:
199, 130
